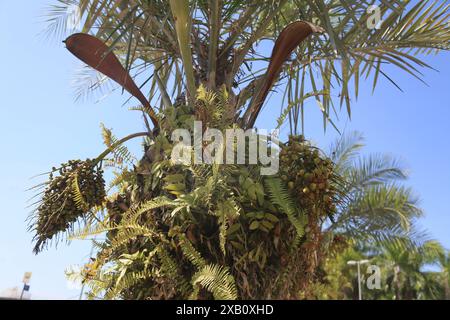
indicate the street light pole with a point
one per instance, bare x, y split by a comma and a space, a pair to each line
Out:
23, 290
359, 281
26, 281
358, 264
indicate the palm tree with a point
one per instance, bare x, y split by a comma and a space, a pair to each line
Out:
178, 231
376, 220
377, 206
444, 262
405, 271
406, 278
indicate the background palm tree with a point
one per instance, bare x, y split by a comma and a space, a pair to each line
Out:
445, 278
406, 273
377, 221
377, 205
407, 278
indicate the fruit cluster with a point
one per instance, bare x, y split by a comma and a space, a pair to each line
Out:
77, 188
307, 174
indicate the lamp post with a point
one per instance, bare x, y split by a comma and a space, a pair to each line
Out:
358, 263
26, 281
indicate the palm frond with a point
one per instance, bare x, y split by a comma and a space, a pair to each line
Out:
331, 63
345, 150
379, 211
376, 169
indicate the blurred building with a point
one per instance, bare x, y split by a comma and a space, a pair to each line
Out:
14, 294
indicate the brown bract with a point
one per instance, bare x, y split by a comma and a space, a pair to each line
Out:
97, 55
289, 39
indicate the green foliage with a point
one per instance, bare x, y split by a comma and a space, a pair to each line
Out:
191, 253
218, 280
225, 232
378, 222
377, 206
229, 233
121, 155
280, 197
78, 195
402, 271
223, 225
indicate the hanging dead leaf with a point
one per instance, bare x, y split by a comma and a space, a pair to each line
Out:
96, 54
289, 39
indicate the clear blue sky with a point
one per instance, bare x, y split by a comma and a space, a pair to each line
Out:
41, 126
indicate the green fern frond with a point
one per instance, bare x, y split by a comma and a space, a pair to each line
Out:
88, 230
168, 265
281, 198
77, 195
293, 104
145, 109
230, 206
106, 135
159, 202
122, 177
125, 282
194, 294
73, 274
207, 190
100, 284
130, 231
121, 154
205, 95
223, 233
217, 280
224, 210
170, 269
191, 253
